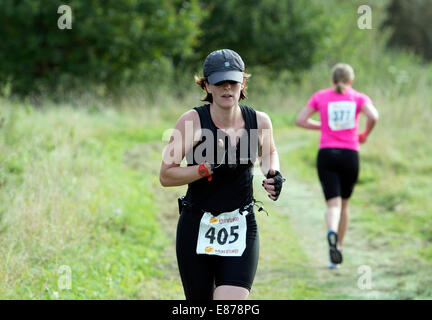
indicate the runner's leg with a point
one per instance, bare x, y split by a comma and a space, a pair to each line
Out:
343, 222
332, 219
225, 292
196, 271
332, 214
348, 177
235, 275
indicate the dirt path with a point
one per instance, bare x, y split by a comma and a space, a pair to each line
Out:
371, 270
304, 207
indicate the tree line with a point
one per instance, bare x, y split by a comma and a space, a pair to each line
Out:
117, 42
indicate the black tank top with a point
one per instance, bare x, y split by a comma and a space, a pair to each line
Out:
230, 188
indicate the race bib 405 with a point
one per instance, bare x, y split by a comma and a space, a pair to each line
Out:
224, 235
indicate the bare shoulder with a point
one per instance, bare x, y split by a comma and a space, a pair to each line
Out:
190, 116
263, 120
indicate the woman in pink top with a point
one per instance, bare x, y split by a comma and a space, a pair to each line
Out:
338, 161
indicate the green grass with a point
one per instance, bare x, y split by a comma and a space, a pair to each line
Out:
70, 197
283, 271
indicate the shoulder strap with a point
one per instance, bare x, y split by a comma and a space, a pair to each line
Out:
251, 123
250, 117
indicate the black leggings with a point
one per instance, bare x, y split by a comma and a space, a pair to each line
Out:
338, 171
201, 273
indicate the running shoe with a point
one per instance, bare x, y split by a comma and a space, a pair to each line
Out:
333, 265
335, 254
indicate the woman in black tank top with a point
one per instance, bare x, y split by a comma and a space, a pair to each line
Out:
217, 240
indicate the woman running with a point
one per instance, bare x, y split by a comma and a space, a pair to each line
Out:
338, 158
217, 241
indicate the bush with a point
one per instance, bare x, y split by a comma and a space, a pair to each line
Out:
270, 33
111, 42
408, 21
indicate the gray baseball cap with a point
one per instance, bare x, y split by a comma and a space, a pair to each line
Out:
223, 65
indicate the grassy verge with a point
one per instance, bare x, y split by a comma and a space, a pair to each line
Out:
74, 213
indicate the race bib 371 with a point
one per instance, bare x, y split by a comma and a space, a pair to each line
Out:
341, 115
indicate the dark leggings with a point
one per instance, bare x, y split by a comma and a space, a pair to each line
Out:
338, 171
201, 273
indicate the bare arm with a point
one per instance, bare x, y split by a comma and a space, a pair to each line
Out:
372, 116
304, 121
268, 155
183, 138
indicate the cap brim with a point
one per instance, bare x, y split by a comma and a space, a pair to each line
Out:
232, 75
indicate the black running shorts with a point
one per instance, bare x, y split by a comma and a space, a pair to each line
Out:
338, 171
201, 273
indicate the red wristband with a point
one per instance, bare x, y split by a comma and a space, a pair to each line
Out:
203, 172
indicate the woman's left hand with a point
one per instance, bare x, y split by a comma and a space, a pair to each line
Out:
362, 137
273, 184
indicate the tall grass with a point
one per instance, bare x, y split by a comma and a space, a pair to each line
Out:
69, 198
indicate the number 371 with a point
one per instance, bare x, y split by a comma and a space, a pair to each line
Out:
222, 235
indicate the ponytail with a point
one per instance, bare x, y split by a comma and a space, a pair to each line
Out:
342, 75
341, 87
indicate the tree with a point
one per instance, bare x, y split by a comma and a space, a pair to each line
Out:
410, 22
271, 33
111, 42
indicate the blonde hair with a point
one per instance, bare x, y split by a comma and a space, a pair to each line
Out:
342, 74
200, 81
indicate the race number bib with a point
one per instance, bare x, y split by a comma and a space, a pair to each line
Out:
341, 115
224, 235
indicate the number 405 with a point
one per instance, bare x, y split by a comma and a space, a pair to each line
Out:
222, 235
